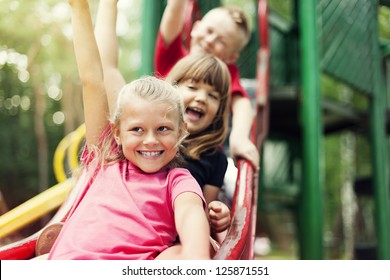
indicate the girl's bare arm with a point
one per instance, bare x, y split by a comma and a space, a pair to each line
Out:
106, 37
90, 71
239, 141
192, 226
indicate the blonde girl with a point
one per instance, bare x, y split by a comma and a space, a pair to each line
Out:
136, 204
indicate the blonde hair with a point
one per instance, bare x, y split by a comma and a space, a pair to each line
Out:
150, 89
208, 69
240, 19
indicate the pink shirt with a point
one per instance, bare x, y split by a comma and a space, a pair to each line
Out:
125, 214
166, 56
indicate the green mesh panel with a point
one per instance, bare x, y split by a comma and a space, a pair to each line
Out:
247, 60
283, 43
345, 44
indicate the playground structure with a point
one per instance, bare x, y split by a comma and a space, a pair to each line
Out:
325, 37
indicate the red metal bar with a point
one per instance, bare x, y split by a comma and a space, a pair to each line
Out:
239, 241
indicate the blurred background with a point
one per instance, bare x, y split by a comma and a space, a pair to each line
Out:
39, 105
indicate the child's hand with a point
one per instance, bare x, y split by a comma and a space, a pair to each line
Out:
219, 216
242, 147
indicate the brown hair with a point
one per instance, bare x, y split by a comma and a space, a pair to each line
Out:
212, 71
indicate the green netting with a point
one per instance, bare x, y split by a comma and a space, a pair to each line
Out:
346, 44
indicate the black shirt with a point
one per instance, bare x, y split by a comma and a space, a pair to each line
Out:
209, 169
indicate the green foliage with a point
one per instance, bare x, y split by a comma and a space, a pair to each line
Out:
283, 8
35, 55
37, 60
384, 22
31, 61
18, 154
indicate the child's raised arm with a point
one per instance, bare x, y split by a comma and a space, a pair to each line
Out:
106, 37
172, 21
90, 71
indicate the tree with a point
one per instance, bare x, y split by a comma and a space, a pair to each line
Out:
37, 67
33, 71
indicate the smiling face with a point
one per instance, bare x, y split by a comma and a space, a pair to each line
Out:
149, 133
203, 81
217, 34
201, 103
